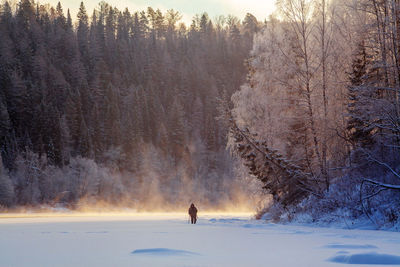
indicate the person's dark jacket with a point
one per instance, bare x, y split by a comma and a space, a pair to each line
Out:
193, 211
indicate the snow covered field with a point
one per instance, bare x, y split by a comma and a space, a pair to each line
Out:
168, 240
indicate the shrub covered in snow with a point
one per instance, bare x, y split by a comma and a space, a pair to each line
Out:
341, 205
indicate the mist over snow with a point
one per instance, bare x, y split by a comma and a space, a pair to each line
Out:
294, 118
119, 110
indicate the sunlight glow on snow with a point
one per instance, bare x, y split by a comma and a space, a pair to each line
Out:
41, 217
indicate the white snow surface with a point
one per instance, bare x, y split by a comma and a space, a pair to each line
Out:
168, 240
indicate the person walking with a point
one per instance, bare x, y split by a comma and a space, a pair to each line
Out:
193, 213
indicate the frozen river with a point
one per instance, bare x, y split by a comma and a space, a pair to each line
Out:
168, 240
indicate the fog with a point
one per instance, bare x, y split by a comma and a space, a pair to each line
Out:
113, 109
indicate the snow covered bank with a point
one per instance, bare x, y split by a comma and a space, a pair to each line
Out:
168, 240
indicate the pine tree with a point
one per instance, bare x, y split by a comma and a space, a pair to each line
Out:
68, 24
6, 188
177, 128
285, 181
60, 20
359, 130
83, 31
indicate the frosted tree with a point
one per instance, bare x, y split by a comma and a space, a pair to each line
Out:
374, 104
294, 99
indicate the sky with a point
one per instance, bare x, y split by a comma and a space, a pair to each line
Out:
188, 8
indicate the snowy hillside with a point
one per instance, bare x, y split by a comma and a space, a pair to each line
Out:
168, 240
